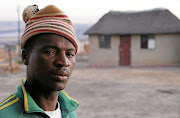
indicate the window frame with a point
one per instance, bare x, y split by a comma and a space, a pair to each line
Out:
104, 41
146, 40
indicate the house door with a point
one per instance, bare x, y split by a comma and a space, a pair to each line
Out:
125, 50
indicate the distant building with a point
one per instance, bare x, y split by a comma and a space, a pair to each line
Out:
135, 38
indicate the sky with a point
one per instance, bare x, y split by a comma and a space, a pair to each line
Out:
86, 11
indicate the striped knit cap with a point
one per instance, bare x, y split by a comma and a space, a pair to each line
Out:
48, 20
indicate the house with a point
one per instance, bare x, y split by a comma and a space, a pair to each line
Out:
149, 37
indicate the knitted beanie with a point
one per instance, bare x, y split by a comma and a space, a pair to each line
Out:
47, 20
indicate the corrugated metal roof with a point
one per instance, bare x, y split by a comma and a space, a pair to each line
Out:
143, 22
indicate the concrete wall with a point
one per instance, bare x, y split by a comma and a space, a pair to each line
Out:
167, 50
102, 56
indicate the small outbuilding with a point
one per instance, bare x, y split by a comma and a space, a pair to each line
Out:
149, 37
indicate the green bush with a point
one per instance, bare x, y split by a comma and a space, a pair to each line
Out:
19, 62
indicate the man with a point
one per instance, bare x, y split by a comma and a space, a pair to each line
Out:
48, 49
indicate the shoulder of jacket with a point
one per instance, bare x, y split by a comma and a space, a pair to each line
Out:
10, 106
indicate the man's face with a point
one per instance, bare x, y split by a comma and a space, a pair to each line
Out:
51, 62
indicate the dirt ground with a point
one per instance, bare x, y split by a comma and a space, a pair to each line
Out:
117, 92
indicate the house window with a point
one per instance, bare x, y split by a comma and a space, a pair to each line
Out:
105, 41
148, 41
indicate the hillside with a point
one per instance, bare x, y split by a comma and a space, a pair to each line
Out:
9, 31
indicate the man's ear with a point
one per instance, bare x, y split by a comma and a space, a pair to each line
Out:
25, 56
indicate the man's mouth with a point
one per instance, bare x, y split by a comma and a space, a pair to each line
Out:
60, 75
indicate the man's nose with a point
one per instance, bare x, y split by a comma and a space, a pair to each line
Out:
61, 60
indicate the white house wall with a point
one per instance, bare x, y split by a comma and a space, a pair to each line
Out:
101, 56
167, 50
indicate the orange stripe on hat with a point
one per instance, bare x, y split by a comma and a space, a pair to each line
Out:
47, 17
39, 22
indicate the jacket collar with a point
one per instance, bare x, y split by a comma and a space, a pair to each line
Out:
66, 103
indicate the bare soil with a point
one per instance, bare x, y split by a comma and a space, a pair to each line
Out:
117, 92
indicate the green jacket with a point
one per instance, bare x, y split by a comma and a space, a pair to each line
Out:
21, 105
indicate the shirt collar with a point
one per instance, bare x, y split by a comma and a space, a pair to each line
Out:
66, 103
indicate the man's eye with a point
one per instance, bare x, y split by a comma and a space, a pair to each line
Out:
51, 53
69, 54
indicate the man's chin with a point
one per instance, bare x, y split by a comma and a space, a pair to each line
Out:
60, 87
54, 88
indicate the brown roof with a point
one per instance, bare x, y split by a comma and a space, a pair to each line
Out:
144, 22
